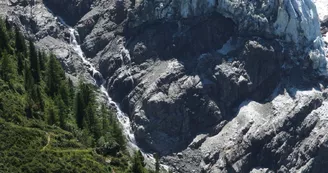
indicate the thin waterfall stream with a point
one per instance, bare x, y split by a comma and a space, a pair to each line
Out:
121, 116
123, 119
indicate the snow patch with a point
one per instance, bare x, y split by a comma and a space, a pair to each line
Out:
322, 8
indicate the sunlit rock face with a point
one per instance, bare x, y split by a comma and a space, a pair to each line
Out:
267, 17
294, 21
322, 8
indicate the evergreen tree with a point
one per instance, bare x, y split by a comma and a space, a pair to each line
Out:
47, 99
42, 60
64, 93
4, 39
87, 94
86, 110
137, 163
55, 76
28, 107
157, 164
90, 120
28, 78
53, 115
37, 98
111, 118
79, 110
105, 122
34, 63
20, 63
63, 111
7, 68
20, 42
8, 26
141, 158
71, 89
117, 134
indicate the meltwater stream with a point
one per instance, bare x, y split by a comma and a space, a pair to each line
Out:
121, 116
123, 119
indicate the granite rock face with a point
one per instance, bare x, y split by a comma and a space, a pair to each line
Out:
213, 86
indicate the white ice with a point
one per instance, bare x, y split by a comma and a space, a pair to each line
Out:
322, 8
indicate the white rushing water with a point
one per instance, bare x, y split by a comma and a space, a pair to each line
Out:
123, 119
125, 56
121, 116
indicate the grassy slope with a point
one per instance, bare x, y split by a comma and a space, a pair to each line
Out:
41, 148
30, 145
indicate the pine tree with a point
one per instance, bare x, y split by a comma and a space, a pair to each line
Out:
20, 63
53, 115
157, 165
85, 111
71, 90
37, 98
90, 119
63, 111
7, 68
28, 107
117, 134
4, 39
111, 118
137, 163
20, 42
42, 60
34, 63
28, 78
79, 110
55, 76
105, 122
8, 26
141, 158
64, 93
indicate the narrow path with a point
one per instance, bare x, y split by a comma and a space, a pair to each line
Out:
48, 142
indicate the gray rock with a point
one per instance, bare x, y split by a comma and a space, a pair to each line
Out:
70, 10
230, 86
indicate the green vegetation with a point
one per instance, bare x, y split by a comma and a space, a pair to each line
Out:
138, 165
41, 148
47, 124
157, 165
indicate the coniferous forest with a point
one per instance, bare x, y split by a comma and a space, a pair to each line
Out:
48, 124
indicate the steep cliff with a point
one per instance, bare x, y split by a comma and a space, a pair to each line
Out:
225, 84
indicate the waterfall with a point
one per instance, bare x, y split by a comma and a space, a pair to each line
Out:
121, 116
126, 54
97, 77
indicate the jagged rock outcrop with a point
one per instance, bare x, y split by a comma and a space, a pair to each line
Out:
269, 19
213, 86
47, 31
71, 10
283, 134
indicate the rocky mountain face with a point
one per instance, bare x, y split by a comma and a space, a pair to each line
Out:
213, 86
